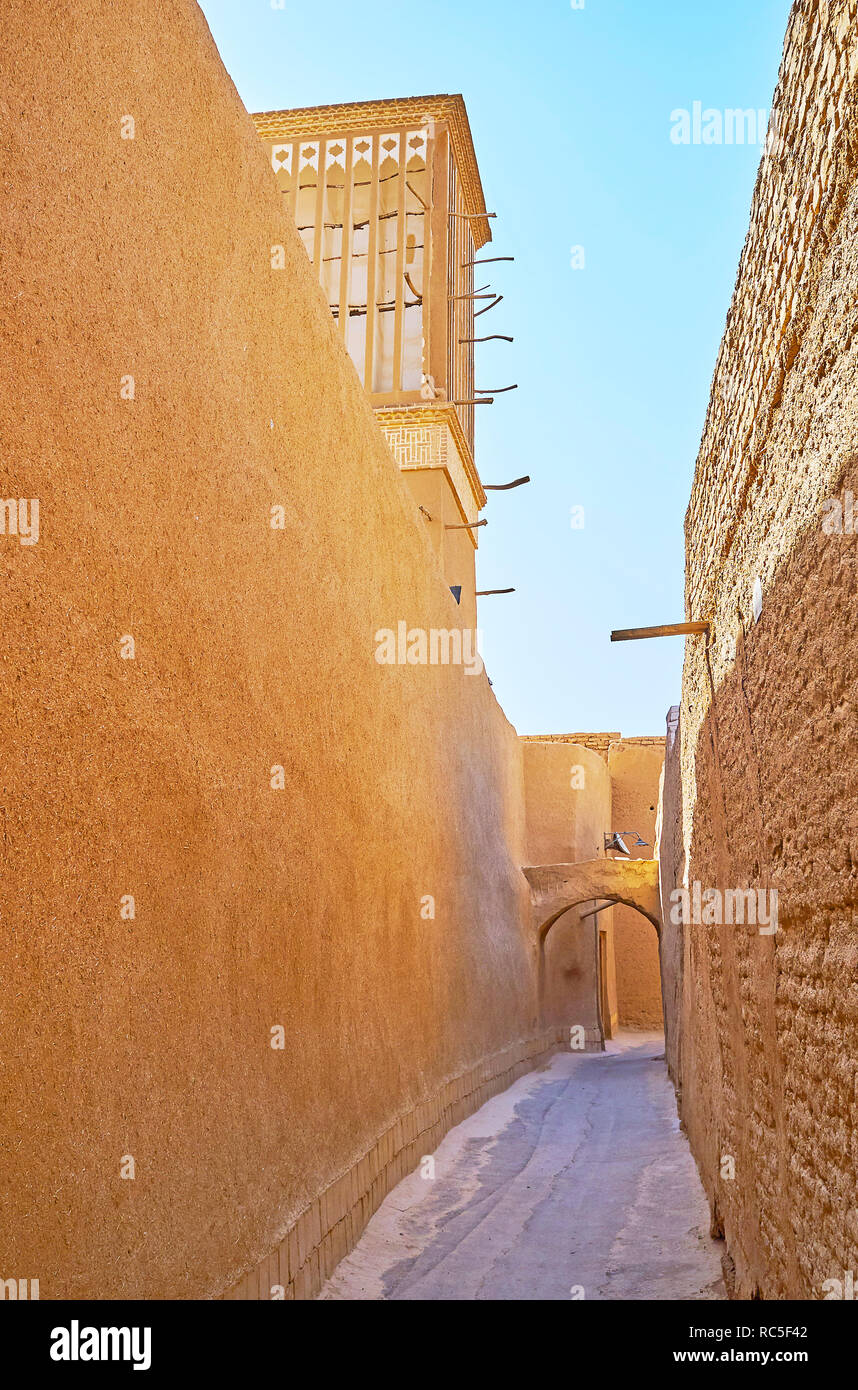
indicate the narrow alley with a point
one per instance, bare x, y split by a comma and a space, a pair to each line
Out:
429, 802
575, 1183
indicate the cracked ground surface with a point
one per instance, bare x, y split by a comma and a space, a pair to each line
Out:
576, 1182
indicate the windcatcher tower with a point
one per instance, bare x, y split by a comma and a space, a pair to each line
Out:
388, 200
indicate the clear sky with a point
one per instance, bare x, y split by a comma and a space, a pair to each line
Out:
571, 115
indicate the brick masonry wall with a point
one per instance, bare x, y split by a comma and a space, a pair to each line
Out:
763, 1029
671, 873
598, 743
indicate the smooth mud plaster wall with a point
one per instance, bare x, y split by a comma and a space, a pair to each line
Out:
765, 1041
635, 769
254, 907
568, 802
568, 805
575, 792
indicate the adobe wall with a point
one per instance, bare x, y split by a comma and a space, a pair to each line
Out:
767, 1056
577, 787
635, 768
671, 869
567, 806
254, 906
568, 801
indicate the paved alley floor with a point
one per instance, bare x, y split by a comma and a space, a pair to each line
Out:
575, 1179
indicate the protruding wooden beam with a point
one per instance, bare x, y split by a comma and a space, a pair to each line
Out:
505, 487
423, 204
498, 300
597, 910
631, 634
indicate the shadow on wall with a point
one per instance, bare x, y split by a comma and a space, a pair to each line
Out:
567, 992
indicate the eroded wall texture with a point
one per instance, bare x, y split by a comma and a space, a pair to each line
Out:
305, 907
764, 1035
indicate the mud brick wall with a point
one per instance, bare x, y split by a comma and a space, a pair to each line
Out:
763, 1029
597, 742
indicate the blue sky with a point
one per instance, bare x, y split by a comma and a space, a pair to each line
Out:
571, 116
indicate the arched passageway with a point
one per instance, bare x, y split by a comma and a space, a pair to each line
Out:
556, 888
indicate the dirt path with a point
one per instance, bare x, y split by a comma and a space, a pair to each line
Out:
577, 1177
